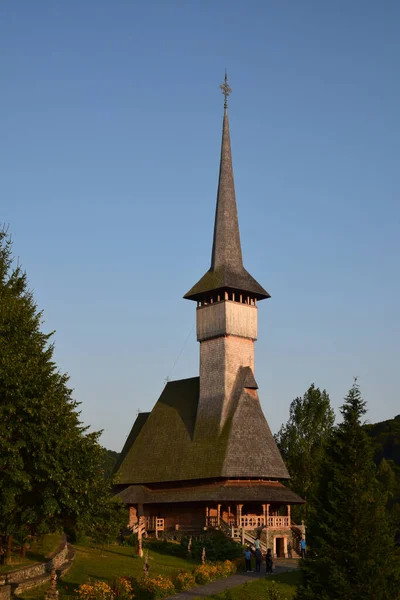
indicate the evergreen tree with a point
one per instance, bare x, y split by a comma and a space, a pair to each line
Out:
352, 554
302, 442
50, 467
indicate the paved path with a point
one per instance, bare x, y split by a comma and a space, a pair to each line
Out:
218, 586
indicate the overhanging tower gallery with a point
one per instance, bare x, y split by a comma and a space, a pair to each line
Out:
192, 462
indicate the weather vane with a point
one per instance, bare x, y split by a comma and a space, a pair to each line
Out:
226, 90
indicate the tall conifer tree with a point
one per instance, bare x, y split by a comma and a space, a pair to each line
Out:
50, 467
352, 554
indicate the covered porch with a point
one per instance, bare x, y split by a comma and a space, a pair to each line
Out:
248, 516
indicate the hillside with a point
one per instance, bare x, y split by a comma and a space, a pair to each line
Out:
386, 439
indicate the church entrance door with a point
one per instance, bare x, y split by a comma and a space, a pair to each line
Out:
279, 547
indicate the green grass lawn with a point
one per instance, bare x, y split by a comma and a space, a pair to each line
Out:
112, 562
36, 553
256, 589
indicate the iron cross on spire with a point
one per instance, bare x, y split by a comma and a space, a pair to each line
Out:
226, 90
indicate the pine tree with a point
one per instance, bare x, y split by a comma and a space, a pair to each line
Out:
352, 554
50, 467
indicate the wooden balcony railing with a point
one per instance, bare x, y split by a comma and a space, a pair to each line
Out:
251, 521
278, 522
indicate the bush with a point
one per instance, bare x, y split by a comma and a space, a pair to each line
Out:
238, 563
184, 581
202, 574
229, 568
130, 540
165, 547
273, 592
95, 591
216, 544
157, 587
122, 588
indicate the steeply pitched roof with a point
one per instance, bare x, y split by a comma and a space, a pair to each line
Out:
136, 429
226, 271
164, 448
219, 491
249, 381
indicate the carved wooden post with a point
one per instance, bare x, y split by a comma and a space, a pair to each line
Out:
139, 538
218, 515
207, 515
264, 515
240, 506
140, 522
267, 513
288, 512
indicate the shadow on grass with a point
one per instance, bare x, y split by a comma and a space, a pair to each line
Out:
102, 552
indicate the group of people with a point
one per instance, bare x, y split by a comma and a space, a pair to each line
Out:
248, 553
257, 552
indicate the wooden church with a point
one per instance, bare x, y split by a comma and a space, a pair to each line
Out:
205, 456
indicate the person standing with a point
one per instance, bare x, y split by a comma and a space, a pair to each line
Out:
258, 554
303, 547
247, 557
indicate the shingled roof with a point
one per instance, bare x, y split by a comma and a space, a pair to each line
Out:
162, 447
219, 491
226, 270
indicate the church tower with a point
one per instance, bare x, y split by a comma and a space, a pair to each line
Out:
226, 313
196, 433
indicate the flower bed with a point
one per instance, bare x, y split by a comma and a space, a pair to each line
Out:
154, 588
121, 589
184, 581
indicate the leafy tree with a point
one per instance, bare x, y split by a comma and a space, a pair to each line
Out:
302, 441
352, 554
110, 518
50, 470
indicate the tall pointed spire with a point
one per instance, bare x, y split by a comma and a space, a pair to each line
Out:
226, 249
226, 270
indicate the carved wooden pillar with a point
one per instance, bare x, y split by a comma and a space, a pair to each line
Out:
218, 515
240, 506
207, 515
139, 535
264, 515
288, 512
285, 551
267, 515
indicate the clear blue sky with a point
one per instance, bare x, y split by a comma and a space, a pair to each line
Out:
110, 126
